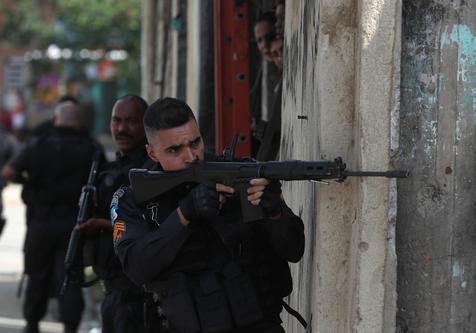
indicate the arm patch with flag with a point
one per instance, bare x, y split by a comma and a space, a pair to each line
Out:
119, 230
119, 227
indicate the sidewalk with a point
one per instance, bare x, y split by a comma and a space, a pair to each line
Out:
11, 267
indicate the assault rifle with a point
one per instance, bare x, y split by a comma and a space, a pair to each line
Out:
147, 185
73, 260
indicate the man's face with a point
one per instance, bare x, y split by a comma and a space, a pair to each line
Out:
277, 53
127, 129
176, 148
261, 30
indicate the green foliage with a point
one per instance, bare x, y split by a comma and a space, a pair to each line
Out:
75, 24
101, 24
71, 23
18, 23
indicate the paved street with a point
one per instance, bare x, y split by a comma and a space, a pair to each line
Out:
11, 266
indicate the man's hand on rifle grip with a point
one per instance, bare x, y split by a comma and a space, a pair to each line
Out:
204, 201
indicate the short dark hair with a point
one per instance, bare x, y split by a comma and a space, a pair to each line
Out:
269, 17
134, 98
166, 113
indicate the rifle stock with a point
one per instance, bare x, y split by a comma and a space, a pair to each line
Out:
147, 185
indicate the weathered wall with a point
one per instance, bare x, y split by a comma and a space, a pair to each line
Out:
341, 60
164, 49
200, 93
177, 56
193, 56
179, 29
149, 49
377, 87
436, 230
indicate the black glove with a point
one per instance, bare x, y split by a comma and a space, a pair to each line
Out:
201, 202
271, 199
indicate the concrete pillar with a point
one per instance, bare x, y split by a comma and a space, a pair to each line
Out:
165, 78
200, 91
157, 80
148, 49
164, 48
193, 55
373, 237
178, 48
341, 64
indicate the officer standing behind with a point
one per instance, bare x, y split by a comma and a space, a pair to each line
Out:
209, 271
122, 307
55, 166
8, 147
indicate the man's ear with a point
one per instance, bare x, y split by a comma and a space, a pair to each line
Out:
151, 153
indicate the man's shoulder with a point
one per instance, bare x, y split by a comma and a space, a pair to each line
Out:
123, 204
124, 197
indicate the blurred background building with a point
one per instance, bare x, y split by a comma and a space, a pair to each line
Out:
87, 49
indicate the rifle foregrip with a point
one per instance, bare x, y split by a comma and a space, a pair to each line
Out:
388, 174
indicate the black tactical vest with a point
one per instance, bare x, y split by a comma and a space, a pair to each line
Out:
223, 278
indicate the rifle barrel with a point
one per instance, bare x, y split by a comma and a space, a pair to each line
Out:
388, 174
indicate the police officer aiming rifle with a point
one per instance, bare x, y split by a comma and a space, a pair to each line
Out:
208, 271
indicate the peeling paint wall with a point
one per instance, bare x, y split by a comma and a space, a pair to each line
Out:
341, 61
436, 233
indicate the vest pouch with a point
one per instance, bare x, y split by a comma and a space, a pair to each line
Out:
212, 307
244, 303
177, 303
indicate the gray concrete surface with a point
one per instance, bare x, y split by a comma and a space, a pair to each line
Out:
11, 267
341, 65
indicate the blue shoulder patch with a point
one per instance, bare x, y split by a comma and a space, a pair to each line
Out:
115, 202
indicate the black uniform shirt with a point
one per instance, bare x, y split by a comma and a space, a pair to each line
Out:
112, 176
116, 174
149, 238
56, 165
156, 249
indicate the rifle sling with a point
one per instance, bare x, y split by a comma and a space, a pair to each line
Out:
294, 313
